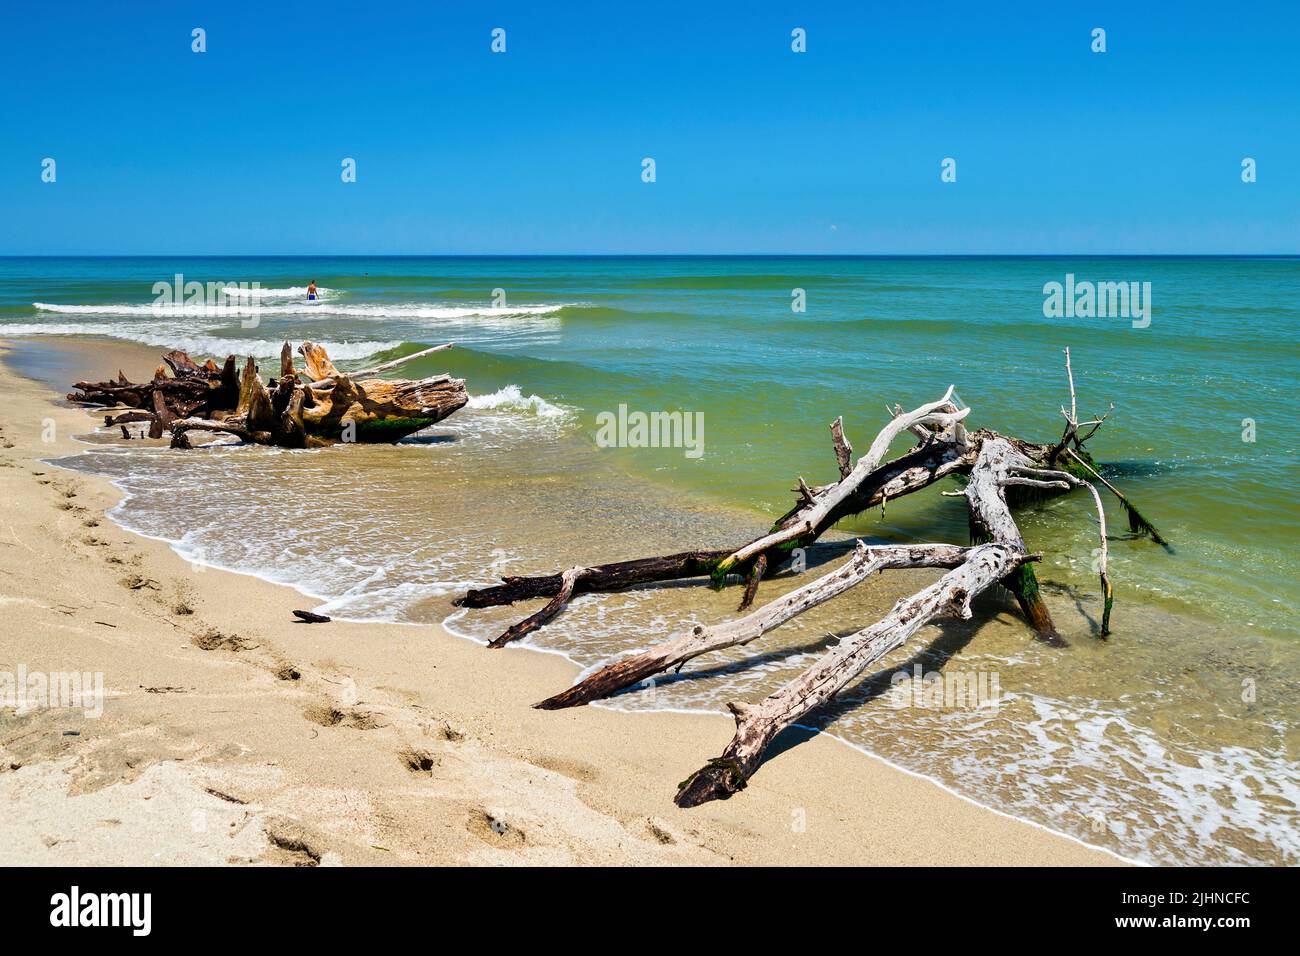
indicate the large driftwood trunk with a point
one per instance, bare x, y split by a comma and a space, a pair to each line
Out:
990, 520
1000, 471
934, 458
320, 407
1000, 464
380, 410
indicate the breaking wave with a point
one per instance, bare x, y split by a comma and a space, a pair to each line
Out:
237, 309
511, 398
293, 292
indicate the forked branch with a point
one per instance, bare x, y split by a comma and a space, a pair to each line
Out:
993, 464
704, 640
757, 725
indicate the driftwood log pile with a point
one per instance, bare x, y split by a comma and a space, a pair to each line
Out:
1000, 472
307, 408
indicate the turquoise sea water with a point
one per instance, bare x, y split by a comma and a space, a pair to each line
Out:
719, 336
1199, 436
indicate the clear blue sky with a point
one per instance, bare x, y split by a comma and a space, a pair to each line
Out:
758, 149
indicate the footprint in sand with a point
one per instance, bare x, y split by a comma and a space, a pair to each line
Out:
494, 830
418, 761
214, 640
291, 845
327, 715
659, 830
287, 671
136, 582
445, 731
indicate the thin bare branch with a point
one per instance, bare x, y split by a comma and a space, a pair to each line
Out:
1074, 405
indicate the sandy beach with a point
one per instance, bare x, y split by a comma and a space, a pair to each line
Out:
231, 734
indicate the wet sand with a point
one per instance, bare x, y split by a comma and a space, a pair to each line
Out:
232, 734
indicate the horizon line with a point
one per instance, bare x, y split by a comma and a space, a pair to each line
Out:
656, 255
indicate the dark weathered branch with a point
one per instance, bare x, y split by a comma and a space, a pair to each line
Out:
534, 621
126, 418
756, 573
616, 576
181, 427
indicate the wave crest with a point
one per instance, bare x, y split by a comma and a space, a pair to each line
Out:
511, 398
236, 309
293, 292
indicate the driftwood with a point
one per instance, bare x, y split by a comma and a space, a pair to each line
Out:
1000, 471
919, 468
818, 510
179, 385
757, 725
999, 465
319, 407
362, 373
701, 640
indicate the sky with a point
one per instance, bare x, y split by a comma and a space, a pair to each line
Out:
757, 149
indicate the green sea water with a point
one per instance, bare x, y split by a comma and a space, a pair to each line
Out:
765, 353
720, 337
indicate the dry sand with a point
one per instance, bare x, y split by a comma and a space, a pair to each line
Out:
232, 734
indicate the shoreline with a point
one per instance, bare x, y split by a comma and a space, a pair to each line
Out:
504, 783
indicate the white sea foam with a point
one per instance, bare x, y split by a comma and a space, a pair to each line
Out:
239, 309
511, 398
166, 309
1181, 809
293, 292
194, 344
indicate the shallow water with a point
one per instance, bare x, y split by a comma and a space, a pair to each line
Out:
1172, 742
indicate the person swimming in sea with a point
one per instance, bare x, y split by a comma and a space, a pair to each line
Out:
311, 291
